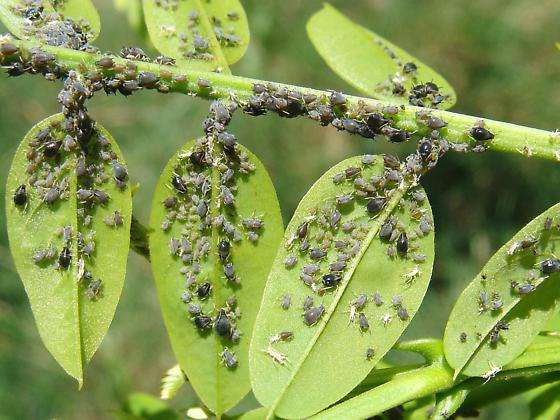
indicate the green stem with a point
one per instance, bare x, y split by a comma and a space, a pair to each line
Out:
508, 137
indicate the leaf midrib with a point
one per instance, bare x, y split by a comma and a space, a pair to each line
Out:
396, 196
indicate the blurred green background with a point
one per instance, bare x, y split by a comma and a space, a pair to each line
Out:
499, 56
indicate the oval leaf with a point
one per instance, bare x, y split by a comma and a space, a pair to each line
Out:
76, 23
188, 229
373, 65
201, 35
323, 362
499, 314
69, 237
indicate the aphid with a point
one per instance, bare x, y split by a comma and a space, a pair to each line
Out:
335, 218
119, 171
179, 184
203, 83
337, 266
402, 313
65, 258
352, 172
412, 274
548, 223
223, 249
276, 356
435, 123
418, 257
386, 319
290, 261
375, 205
377, 299
317, 254
494, 370
186, 296
304, 246
100, 196
229, 271
174, 246
7, 49
550, 266
203, 322
424, 149
481, 134
337, 99
194, 309
496, 303
370, 353
525, 243
52, 195
204, 290
105, 63
170, 202
483, 302
344, 199
222, 324
20, 195
362, 319
307, 303
331, 279
425, 226
402, 243
368, 159
387, 230
338, 178
286, 302
311, 269
525, 289
463, 337
229, 359
282, 336
93, 290
235, 335
312, 315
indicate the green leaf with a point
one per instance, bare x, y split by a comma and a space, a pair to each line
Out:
45, 28
369, 62
256, 414
173, 380
134, 13
545, 402
72, 309
474, 343
324, 361
146, 407
221, 25
449, 402
199, 353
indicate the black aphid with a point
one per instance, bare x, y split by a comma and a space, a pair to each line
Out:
286, 302
179, 184
307, 303
317, 254
402, 243
222, 324
370, 353
331, 279
402, 313
387, 230
228, 359
302, 230
290, 261
65, 258
204, 290
481, 134
550, 266
377, 299
229, 271
463, 337
223, 249
20, 195
375, 205
364, 325
203, 322
119, 171
424, 149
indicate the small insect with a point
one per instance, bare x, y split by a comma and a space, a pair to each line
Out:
463, 337
222, 324
525, 289
352, 172
375, 205
119, 171
52, 195
302, 230
290, 261
481, 134
386, 319
227, 196
317, 254
368, 159
331, 279
337, 99
105, 63
550, 266
364, 325
276, 356
402, 244
194, 309
483, 301
229, 359
424, 149
525, 243
412, 274
282, 336
344, 199
229, 272
203, 83
338, 178
310, 269
93, 290
286, 302
497, 302
313, 314
204, 290
203, 322
377, 299
20, 195
418, 257
402, 313
186, 296
65, 258
370, 353
223, 249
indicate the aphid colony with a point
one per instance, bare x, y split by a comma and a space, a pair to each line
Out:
419, 94
192, 43
490, 300
71, 147
52, 27
201, 203
327, 242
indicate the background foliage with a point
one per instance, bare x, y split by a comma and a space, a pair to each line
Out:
499, 56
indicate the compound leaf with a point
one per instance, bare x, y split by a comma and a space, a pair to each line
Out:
334, 255
69, 236
502, 310
196, 236
201, 35
373, 65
